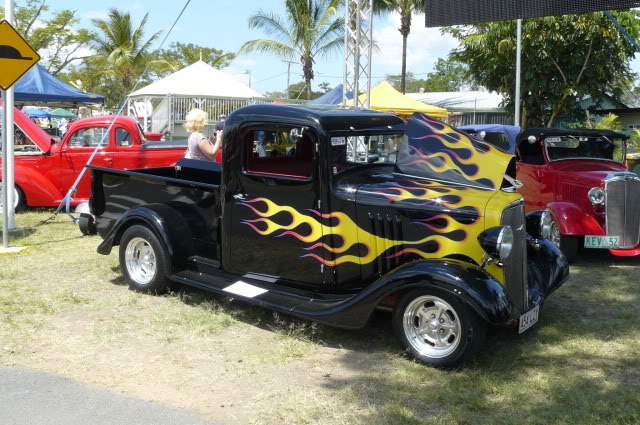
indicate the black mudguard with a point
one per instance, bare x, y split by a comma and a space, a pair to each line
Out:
547, 269
472, 285
168, 224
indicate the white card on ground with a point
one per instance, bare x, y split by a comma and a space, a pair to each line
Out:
244, 289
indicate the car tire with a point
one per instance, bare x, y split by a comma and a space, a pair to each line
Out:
19, 200
144, 260
437, 328
87, 225
566, 243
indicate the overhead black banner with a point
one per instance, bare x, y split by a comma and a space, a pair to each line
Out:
440, 13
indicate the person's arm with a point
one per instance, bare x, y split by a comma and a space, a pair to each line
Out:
210, 150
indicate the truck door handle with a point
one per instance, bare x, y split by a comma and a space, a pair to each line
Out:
109, 161
240, 196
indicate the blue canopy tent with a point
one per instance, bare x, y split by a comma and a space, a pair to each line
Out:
38, 87
332, 97
506, 142
34, 112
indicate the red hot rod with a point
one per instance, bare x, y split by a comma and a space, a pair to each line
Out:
580, 178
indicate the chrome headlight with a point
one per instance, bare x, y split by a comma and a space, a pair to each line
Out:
596, 196
497, 241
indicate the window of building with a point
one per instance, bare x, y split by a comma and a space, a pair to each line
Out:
282, 152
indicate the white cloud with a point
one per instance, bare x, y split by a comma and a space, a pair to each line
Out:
424, 46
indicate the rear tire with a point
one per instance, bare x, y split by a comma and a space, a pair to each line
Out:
436, 328
144, 260
87, 225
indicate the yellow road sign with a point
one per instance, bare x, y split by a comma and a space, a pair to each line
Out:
16, 56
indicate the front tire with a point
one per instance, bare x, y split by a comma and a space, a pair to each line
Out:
567, 244
144, 260
19, 200
437, 328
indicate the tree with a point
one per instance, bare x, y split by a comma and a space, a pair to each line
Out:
309, 29
296, 89
406, 8
448, 75
121, 50
181, 55
52, 34
564, 59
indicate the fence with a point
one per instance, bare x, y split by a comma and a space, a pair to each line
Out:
170, 111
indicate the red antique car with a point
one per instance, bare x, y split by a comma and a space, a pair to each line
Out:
45, 168
579, 176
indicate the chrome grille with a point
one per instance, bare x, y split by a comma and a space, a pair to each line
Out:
515, 267
622, 201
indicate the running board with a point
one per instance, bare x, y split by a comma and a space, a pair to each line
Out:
332, 311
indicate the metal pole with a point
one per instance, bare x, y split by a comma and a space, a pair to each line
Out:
5, 201
370, 53
347, 28
8, 152
518, 73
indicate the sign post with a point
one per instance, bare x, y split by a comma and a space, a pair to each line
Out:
16, 58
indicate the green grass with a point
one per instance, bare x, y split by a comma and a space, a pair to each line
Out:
66, 309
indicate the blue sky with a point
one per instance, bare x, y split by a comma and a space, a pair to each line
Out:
222, 24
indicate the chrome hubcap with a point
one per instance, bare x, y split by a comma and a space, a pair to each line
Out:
432, 326
554, 237
140, 261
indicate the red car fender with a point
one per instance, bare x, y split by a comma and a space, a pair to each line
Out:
38, 190
574, 220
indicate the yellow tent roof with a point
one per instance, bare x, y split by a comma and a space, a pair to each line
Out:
385, 98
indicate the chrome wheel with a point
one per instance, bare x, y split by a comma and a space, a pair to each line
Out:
432, 326
140, 260
554, 236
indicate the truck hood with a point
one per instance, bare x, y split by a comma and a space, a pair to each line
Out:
35, 133
435, 151
591, 172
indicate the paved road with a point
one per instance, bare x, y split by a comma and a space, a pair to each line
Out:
35, 398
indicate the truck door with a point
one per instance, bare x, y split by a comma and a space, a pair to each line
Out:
75, 153
275, 214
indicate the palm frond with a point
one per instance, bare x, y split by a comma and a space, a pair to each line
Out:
269, 46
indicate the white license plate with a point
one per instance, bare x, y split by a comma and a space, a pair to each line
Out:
601, 241
529, 319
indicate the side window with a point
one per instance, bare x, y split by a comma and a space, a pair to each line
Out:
283, 152
88, 138
123, 138
530, 153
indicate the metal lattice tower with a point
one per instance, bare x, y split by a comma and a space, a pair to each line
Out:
358, 46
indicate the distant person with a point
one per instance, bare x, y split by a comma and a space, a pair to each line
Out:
199, 147
221, 120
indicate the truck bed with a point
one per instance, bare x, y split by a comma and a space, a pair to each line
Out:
191, 188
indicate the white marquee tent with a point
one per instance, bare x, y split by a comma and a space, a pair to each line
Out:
198, 79
164, 103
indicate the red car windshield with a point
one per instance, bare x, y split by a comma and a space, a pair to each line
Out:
598, 148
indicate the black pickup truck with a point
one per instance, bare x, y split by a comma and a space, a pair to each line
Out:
327, 214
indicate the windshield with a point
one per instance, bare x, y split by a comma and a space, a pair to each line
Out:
598, 147
352, 150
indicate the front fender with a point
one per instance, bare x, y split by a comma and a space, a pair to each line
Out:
472, 285
574, 220
547, 269
38, 190
166, 222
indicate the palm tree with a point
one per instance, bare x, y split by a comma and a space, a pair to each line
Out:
308, 30
405, 8
121, 51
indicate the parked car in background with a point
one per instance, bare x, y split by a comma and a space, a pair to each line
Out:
349, 221
46, 167
501, 136
580, 177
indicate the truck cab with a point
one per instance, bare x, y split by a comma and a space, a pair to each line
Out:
361, 210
